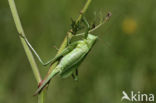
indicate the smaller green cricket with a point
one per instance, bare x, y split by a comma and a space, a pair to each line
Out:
70, 58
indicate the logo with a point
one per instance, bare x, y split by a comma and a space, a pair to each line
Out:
137, 96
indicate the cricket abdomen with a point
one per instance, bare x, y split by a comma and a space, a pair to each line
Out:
72, 58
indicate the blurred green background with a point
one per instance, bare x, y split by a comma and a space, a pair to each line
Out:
124, 58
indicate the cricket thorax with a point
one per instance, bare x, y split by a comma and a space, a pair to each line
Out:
91, 39
83, 44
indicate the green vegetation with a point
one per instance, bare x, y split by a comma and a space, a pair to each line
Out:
123, 59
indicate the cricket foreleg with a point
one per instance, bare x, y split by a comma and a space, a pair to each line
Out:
88, 26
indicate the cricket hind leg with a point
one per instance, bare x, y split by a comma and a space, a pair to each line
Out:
37, 55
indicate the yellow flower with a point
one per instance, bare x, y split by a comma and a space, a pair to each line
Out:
129, 25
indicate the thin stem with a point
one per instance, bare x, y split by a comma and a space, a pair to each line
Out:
83, 10
25, 46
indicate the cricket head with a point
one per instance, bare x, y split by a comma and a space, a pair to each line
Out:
91, 39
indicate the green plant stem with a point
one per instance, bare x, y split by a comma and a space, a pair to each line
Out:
69, 35
25, 46
83, 10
